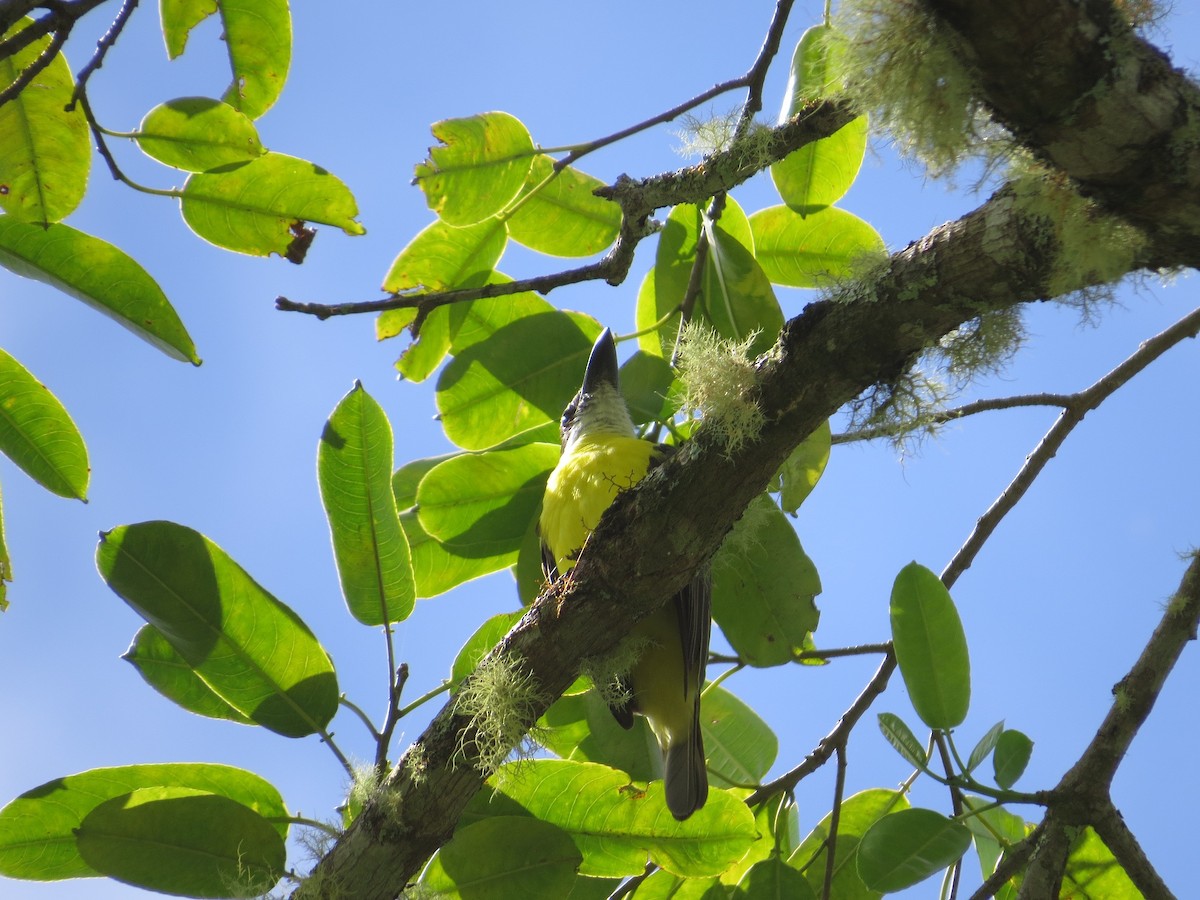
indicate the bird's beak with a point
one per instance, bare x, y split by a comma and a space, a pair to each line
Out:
602, 364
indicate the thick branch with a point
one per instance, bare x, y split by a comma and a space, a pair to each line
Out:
1074, 83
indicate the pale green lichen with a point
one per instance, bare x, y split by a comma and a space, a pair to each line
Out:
719, 380
499, 701
901, 64
609, 673
1092, 248
902, 410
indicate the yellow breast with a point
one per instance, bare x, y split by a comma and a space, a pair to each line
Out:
583, 485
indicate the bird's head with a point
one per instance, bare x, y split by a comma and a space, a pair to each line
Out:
598, 407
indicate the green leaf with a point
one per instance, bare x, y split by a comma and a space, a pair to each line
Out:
5, 564
1013, 750
100, 275
504, 857
986, 745
37, 829
479, 168
37, 433
580, 727
906, 847
180, 840
252, 650
773, 879
737, 297
819, 173
778, 824
763, 587
665, 285
258, 35
803, 469
740, 746
408, 476
171, 675
354, 470
859, 812
442, 258
931, 648
662, 885
179, 17
253, 207
616, 824
646, 382
1093, 873
487, 636
439, 568
197, 134
814, 250
476, 320
482, 504
900, 736
518, 378
564, 217
45, 151
994, 830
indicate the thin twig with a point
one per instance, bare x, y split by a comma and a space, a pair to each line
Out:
102, 48
1012, 862
959, 412
1080, 404
397, 679
835, 819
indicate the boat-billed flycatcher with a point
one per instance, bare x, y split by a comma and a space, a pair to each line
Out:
602, 456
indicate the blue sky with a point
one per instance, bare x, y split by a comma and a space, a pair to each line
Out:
1056, 608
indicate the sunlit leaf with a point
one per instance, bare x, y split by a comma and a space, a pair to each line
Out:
100, 275
442, 257
900, 736
518, 378
45, 151
475, 320
256, 207
503, 857
763, 587
252, 650
646, 382
616, 824
858, 813
564, 218
985, 746
803, 469
773, 879
487, 636
354, 471
994, 830
666, 284
740, 746
479, 167
258, 37
480, 505
906, 847
179, 17
738, 300
180, 840
819, 173
931, 648
815, 250
1093, 873
1013, 750
197, 134
37, 433
170, 674
37, 829
581, 727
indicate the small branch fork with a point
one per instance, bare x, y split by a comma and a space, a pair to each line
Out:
59, 20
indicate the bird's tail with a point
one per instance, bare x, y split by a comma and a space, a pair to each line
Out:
685, 777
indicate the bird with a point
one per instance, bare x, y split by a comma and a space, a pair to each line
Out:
601, 457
